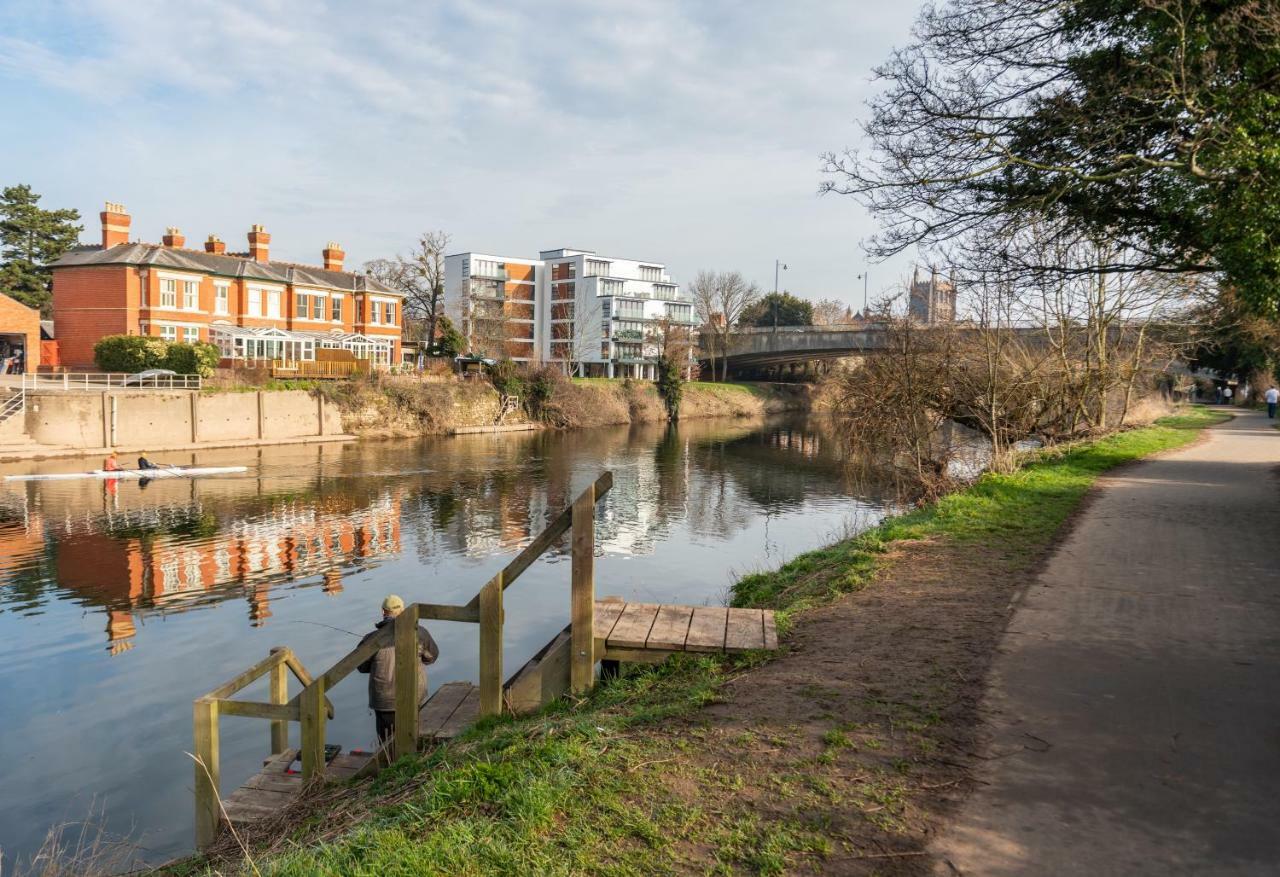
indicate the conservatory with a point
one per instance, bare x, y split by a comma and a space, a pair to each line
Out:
245, 344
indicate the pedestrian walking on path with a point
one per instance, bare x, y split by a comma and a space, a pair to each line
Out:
1132, 704
1272, 396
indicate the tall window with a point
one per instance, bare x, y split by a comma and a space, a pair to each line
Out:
650, 272
190, 334
273, 303
317, 308
389, 313
255, 302
375, 313
191, 294
220, 296
300, 306
597, 268
335, 308
168, 293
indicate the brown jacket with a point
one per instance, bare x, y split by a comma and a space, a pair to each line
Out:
382, 669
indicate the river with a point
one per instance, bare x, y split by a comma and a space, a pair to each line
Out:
119, 604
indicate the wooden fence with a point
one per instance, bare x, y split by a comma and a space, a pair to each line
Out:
311, 707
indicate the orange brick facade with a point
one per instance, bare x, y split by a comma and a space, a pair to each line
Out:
182, 302
17, 321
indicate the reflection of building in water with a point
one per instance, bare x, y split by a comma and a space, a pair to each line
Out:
131, 571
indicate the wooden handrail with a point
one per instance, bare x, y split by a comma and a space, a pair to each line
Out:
311, 706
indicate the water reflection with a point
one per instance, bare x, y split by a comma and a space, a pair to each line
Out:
121, 602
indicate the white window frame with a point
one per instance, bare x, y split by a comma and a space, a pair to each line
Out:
190, 335
254, 307
222, 298
169, 333
169, 293
273, 304
191, 295
335, 299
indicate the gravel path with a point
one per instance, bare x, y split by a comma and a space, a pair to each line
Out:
1134, 706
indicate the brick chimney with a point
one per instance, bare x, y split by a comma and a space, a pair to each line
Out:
333, 257
173, 238
214, 245
115, 225
259, 242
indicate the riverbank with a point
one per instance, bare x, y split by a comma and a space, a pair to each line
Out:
846, 752
397, 406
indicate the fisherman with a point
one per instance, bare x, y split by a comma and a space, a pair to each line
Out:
382, 671
144, 463
111, 464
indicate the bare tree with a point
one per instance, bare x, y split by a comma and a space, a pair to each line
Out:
829, 312
719, 299
420, 276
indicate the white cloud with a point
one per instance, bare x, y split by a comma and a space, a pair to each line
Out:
687, 132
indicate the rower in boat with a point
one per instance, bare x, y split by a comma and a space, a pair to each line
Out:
144, 463
111, 464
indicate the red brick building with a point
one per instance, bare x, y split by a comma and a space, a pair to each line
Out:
253, 308
19, 335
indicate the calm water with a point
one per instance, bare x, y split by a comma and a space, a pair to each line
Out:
119, 605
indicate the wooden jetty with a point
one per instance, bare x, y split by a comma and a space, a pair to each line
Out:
600, 632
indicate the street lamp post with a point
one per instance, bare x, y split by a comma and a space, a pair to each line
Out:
863, 277
777, 265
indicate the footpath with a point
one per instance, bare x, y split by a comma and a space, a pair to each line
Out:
1134, 705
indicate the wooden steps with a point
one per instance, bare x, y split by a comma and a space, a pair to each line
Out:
448, 712
651, 631
271, 788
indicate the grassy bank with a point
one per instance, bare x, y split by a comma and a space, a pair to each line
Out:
659, 772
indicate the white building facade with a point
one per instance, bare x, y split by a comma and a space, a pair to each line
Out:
599, 316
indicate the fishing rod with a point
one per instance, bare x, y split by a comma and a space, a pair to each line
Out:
330, 626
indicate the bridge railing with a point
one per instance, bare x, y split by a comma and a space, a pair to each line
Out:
311, 707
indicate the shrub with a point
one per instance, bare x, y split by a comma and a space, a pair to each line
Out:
669, 386
449, 341
129, 353
508, 378
200, 358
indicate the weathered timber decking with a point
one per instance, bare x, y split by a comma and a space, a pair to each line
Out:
272, 787
448, 712
651, 631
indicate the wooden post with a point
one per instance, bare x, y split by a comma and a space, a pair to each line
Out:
583, 598
261, 415
279, 694
208, 805
195, 417
406, 645
491, 647
312, 708
106, 423
320, 414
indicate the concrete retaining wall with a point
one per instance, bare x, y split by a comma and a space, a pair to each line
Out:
159, 419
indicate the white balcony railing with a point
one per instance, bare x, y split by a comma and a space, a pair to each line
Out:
68, 382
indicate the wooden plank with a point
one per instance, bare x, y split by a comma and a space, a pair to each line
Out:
706, 630
279, 694
262, 797
636, 656
208, 813
542, 679
491, 649
313, 720
448, 612
406, 681
236, 683
463, 717
440, 706
607, 612
279, 762
670, 628
280, 782
281, 712
770, 630
632, 629
582, 600
744, 630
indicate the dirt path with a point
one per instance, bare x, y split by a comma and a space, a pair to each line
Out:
1134, 705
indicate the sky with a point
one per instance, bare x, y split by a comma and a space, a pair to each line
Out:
683, 133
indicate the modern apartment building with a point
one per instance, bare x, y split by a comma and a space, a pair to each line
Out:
251, 307
600, 316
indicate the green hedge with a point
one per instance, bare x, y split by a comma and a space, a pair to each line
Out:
135, 353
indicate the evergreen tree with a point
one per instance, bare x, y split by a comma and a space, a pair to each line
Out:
30, 239
787, 309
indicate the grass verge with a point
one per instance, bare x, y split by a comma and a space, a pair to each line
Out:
585, 787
